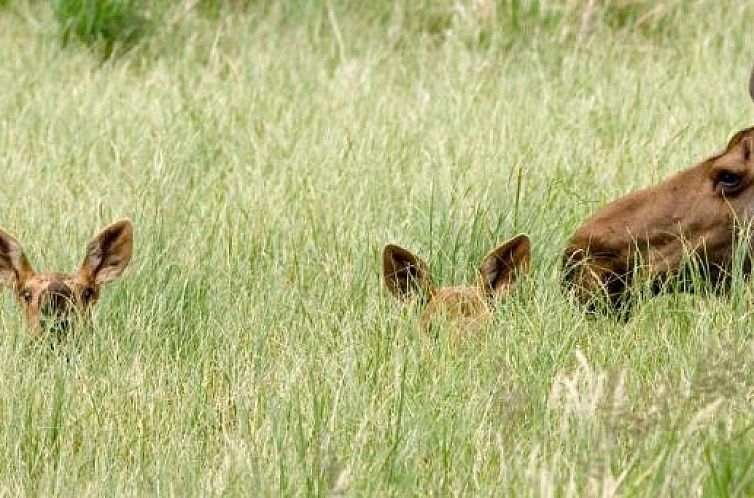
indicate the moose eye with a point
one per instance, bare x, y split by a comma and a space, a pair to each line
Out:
26, 295
87, 294
728, 180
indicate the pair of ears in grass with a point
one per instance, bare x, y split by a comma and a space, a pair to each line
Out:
408, 276
107, 255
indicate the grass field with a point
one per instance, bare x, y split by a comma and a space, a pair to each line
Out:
267, 151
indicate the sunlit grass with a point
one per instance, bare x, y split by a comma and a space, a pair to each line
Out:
266, 153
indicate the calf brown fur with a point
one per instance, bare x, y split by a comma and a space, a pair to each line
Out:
52, 301
408, 278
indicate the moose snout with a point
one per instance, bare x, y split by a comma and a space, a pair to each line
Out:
55, 300
593, 273
573, 259
580, 275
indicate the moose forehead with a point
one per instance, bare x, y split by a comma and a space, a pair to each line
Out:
464, 305
42, 280
734, 141
464, 297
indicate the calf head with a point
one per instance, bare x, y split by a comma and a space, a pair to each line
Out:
53, 301
408, 278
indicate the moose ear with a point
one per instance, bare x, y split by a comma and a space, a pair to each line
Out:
747, 148
14, 267
502, 266
109, 252
406, 275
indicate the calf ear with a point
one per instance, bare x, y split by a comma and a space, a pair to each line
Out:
406, 275
14, 267
502, 266
109, 252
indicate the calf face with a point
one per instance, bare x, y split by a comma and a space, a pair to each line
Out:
408, 278
53, 301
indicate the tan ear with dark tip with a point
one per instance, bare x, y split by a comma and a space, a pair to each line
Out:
501, 267
109, 252
14, 267
406, 275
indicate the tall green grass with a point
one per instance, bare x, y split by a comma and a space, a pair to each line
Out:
109, 26
267, 153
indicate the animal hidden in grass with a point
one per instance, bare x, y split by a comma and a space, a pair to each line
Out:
408, 278
53, 302
682, 233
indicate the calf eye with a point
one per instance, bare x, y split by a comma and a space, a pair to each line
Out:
26, 295
728, 180
87, 294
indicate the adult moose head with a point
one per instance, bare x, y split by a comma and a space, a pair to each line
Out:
52, 301
408, 278
697, 216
